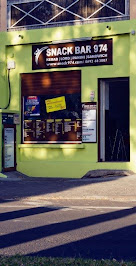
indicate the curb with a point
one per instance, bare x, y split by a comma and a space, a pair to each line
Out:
106, 198
3, 176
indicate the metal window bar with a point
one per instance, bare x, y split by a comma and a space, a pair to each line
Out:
27, 14
63, 9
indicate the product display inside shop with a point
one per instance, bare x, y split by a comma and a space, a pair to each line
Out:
52, 119
53, 111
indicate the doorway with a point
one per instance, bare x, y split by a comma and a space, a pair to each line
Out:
114, 141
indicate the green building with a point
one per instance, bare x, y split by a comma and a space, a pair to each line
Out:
68, 85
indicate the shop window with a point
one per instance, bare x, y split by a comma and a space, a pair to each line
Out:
51, 107
44, 13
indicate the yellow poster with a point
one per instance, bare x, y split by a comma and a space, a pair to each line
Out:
55, 104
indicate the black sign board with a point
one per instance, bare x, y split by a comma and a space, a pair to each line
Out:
72, 54
7, 118
52, 131
10, 119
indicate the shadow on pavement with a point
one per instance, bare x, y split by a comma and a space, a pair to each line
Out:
119, 243
27, 212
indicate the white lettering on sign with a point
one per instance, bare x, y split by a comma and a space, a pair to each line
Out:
59, 51
95, 52
83, 49
100, 48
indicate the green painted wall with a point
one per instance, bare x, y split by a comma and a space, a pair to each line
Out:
69, 160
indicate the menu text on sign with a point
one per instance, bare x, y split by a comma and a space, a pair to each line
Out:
72, 54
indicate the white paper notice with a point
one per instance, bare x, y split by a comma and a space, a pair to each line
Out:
89, 122
89, 114
89, 131
8, 147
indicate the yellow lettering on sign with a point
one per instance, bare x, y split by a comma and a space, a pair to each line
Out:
58, 120
55, 104
50, 120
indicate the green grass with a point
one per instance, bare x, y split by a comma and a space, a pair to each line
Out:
43, 261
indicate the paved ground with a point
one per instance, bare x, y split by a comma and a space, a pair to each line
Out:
92, 218
68, 229
18, 186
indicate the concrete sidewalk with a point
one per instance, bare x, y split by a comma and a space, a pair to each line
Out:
18, 186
